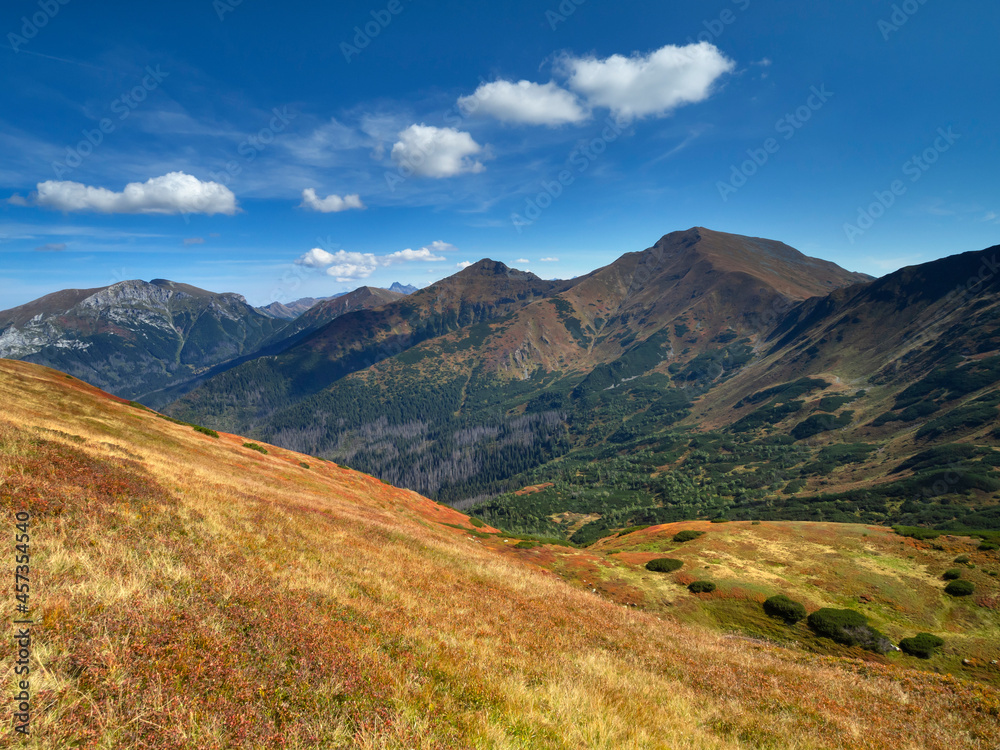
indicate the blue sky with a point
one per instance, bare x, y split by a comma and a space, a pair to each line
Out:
298, 149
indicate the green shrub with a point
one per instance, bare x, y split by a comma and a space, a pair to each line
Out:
255, 447
664, 565
782, 607
755, 523
849, 628
921, 645
205, 431
303, 464
961, 559
952, 574
687, 535
720, 519
476, 522
701, 587
987, 546
526, 545
959, 588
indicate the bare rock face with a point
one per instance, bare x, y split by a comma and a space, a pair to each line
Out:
134, 337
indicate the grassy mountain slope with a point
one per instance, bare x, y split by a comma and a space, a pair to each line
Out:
193, 592
246, 396
448, 415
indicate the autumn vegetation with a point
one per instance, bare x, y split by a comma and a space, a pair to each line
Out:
190, 593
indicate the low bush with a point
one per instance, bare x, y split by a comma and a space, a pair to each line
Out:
720, 519
987, 546
664, 565
303, 464
959, 588
476, 522
849, 628
526, 545
205, 430
921, 645
701, 587
952, 574
255, 447
786, 609
687, 535
961, 559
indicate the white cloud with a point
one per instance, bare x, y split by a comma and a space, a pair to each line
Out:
523, 261
350, 266
464, 264
194, 240
344, 265
437, 246
404, 256
315, 258
331, 203
526, 103
548, 260
173, 193
652, 84
992, 216
436, 152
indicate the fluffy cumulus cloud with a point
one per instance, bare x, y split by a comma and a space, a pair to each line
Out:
525, 103
173, 193
437, 246
652, 84
330, 204
407, 255
342, 265
464, 263
428, 151
523, 261
348, 266
548, 260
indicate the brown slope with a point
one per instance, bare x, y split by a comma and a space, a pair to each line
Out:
246, 395
888, 332
51, 304
708, 282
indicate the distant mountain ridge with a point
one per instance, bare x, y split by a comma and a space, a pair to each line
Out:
292, 310
133, 336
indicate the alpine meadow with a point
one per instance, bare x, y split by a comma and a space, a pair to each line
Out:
538, 375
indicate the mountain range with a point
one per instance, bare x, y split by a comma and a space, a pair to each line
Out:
155, 340
709, 376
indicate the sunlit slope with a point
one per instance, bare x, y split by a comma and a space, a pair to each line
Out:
195, 593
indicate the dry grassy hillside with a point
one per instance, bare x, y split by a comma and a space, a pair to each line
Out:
190, 592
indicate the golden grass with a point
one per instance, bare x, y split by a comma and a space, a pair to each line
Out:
201, 595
